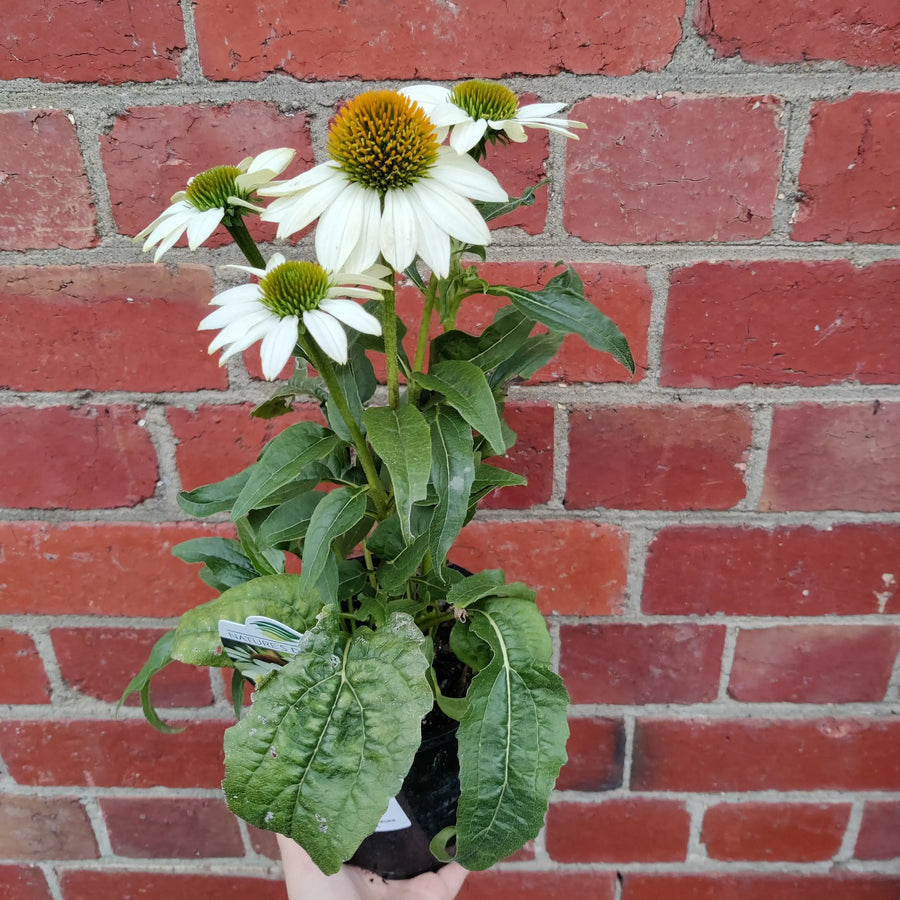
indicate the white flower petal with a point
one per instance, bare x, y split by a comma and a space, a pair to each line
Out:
302, 182
201, 226
426, 95
348, 277
434, 243
225, 315
358, 292
277, 160
364, 257
340, 226
464, 176
536, 110
252, 335
295, 212
239, 294
351, 314
453, 213
398, 235
277, 347
235, 331
514, 131
467, 134
327, 332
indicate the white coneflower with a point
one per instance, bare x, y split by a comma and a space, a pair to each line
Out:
292, 298
212, 197
388, 189
476, 108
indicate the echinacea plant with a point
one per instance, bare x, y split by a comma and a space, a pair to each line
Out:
347, 657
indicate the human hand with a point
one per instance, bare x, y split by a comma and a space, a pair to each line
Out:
305, 880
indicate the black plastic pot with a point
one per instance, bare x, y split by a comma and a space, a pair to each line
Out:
429, 797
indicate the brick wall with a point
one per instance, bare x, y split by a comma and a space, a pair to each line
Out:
716, 542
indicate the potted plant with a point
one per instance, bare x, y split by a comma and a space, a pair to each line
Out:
379, 634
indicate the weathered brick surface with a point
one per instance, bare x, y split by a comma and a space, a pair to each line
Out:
100, 662
102, 41
161, 827
22, 675
879, 832
641, 663
538, 886
749, 886
100, 569
90, 457
596, 750
618, 831
796, 832
161, 147
106, 328
859, 32
119, 753
246, 41
814, 663
796, 570
804, 323
663, 457
848, 182
23, 883
577, 568
841, 456
117, 885
766, 755
674, 168
42, 828
45, 199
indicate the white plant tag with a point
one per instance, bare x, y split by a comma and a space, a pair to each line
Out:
394, 819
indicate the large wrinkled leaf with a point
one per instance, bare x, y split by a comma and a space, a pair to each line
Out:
512, 738
467, 391
328, 741
452, 474
282, 461
336, 514
402, 439
562, 306
278, 596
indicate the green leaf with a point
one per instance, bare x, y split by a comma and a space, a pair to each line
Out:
393, 574
213, 498
320, 753
452, 474
337, 513
357, 383
283, 460
160, 657
225, 562
512, 739
280, 597
289, 521
467, 391
265, 561
494, 210
533, 355
402, 439
562, 306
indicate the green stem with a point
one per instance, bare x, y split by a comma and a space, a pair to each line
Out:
246, 244
389, 329
422, 343
323, 365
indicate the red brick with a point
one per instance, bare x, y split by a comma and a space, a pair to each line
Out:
245, 41
264, 842
674, 167
112, 754
796, 570
596, 750
577, 568
813, 663
106, 328
22, 675
767, 755
843, 456
100, 662
848, 179
23, 883
512, 885
532, 456
161, 147
162, 827
100, 569
216, 442
626, 830
879, 833
42, 828
664, 457
45, 198
641, 663
115, 885
805, 323
103, 41
91, 457
749, 886
859, 32
794, 832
